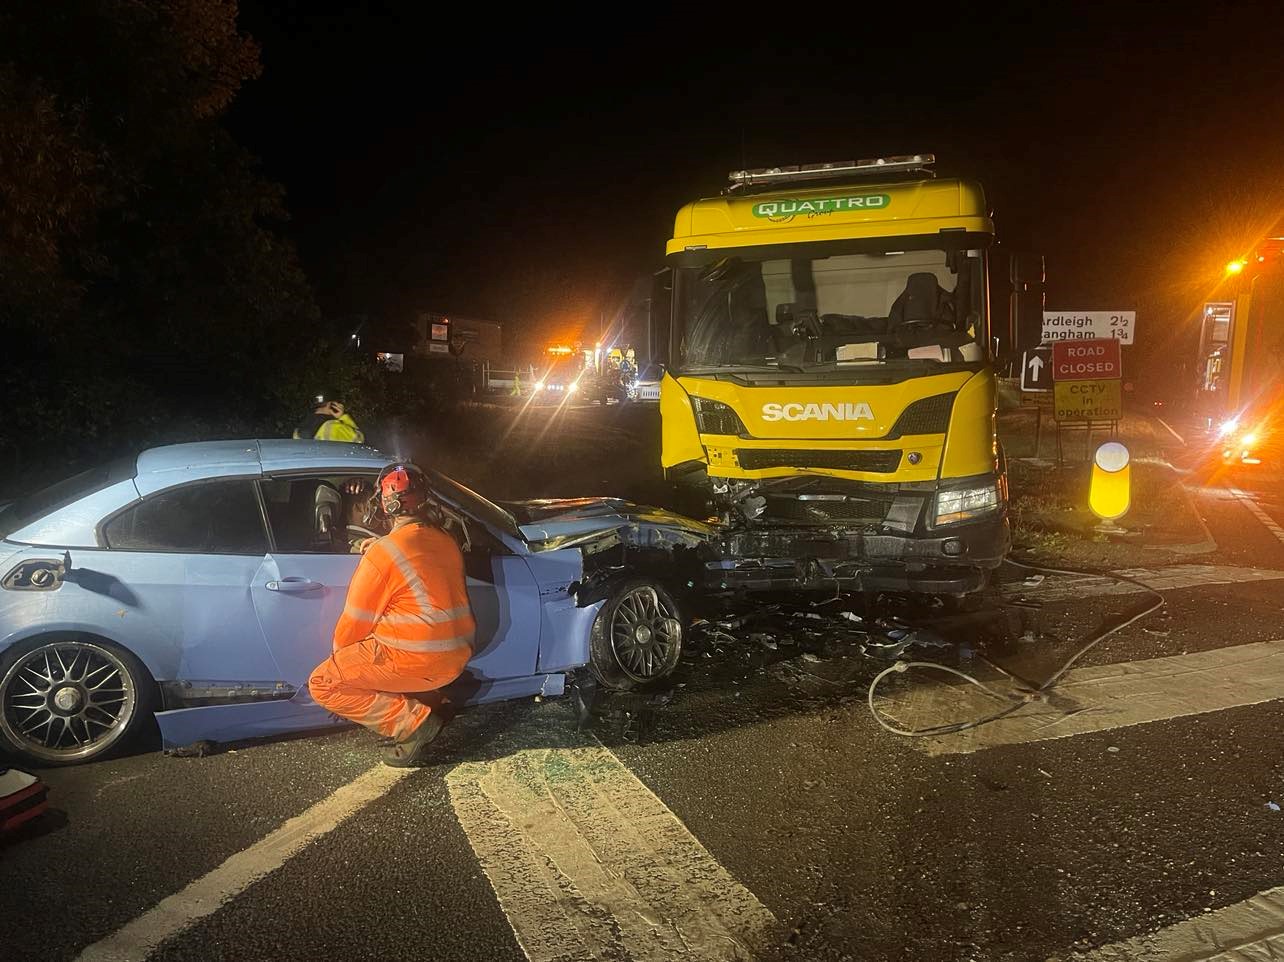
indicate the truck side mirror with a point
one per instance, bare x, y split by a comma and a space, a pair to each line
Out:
1027, 279
660, 315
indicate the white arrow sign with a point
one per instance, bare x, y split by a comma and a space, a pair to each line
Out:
1036, 370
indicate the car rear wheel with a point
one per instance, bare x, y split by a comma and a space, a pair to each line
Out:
637, 637
70, 700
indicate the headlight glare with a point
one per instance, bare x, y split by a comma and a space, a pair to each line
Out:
960, 504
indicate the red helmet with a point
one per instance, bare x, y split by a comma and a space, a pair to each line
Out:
403, 489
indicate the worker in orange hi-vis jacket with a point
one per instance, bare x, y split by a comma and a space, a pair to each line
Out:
406, 628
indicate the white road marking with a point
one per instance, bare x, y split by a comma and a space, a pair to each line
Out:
135, 941
1169, 428
587, 863
1065, 587
1098, 699
1248, 931
1259, 513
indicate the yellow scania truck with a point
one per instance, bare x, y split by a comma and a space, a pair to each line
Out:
830, 357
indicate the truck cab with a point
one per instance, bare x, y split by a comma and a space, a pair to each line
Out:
830, 378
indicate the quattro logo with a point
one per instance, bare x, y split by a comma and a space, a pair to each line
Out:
773, 209
795, 411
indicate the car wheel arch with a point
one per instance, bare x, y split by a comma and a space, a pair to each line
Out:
44, 634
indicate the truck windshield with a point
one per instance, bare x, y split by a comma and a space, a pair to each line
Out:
844, 311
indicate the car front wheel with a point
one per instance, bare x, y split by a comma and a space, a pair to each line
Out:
70, 700
637, 637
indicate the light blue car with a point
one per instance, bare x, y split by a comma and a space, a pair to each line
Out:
201, 583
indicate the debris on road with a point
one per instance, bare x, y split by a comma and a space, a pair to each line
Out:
815, 634
198, 749
23, 797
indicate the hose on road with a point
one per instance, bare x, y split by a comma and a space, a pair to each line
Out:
1014, 703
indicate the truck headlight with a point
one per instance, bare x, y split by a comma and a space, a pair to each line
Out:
960, 504
714, 417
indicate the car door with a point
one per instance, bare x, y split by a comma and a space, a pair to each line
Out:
505, 601
311, 571
177, 567
300, 590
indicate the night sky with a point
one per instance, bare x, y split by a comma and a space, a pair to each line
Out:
527, 170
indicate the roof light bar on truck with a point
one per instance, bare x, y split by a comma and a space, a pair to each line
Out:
801, 173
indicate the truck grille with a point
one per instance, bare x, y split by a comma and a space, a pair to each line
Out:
853, 512
929, 415
881, 462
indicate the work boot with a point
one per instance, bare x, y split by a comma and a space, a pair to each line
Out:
410, 750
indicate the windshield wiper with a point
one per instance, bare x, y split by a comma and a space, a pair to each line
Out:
735, 368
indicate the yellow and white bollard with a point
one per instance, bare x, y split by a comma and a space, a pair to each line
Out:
1110, 491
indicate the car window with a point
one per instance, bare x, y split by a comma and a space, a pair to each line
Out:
217, 517
34, 506
326, 514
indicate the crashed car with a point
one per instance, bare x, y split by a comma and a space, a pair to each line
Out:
200, 583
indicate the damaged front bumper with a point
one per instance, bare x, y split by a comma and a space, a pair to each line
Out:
789, 559
868, 538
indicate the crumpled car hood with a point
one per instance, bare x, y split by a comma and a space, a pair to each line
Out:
564, 522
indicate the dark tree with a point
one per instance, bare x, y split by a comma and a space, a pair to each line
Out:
145, 288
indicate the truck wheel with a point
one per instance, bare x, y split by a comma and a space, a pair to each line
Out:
637, 637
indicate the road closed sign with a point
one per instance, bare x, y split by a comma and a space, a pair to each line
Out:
1086, 360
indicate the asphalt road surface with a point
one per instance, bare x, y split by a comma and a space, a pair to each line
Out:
754, 810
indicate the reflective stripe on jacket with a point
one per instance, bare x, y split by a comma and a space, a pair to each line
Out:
409, 593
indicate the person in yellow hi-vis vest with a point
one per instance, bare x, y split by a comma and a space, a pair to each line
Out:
329, 421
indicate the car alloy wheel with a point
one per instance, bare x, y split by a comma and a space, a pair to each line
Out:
67, 701
645, 634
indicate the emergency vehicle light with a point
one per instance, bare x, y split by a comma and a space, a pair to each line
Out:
804, 172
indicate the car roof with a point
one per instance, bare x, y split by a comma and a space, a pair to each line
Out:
277, 454
172, 464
